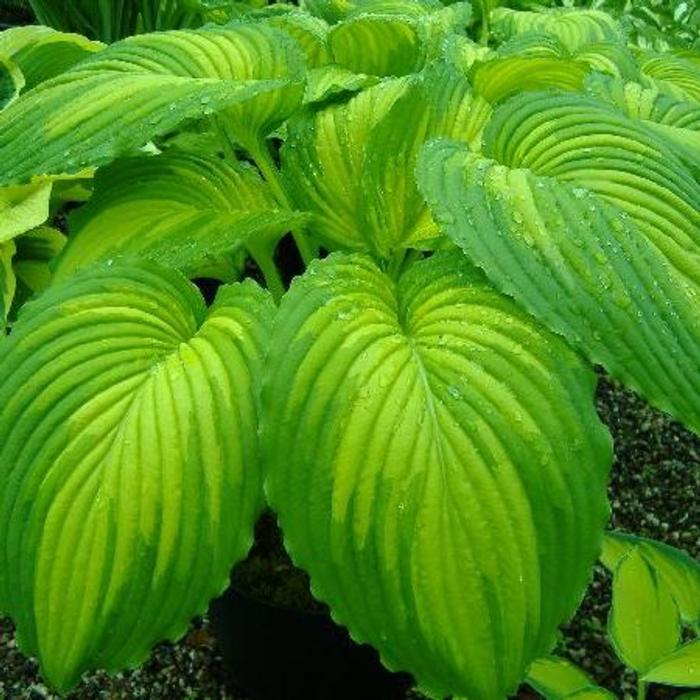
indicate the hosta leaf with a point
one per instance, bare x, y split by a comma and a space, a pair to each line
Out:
323, 161
573, 28
143, 86
593, 224
681, 667
130, 478
352, 165
35, 250
11, 81
385, 45
644, 622
42, 53
437, 466
311, 33
679, 571
555, 678
8, 282
673, 74
330, 81
499, 78
183, 210
591, 693
23, 207
440, 103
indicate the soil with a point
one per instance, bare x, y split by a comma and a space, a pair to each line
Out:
653, 492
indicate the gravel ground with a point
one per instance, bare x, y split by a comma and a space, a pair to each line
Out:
654, 492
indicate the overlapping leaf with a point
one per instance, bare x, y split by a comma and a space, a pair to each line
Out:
186, 211
8, 282
433, 452
593, 223
573, 27
42, 53
128, 461
644, 623
680, 572
11, 81
352, 165
679, 668
146, 85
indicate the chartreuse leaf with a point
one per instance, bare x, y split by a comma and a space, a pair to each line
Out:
386, 45
11, 81
181, 209
384, 40
572, 27
673, 74
323, 160
42, 53
681, 667
35, 249
352, 165
591, 693
437, 467
439, 103
140, 87
644, 625
129, 474
555, 678
22, 207
593, 224
8, 282
499, 78
679, 572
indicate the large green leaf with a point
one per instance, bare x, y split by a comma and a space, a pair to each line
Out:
680, 668
437, 466
42, 53
679, 571
572, 27
129, 473
183, 210
644, 622
352, 165
140, 87
323, 160
592, 222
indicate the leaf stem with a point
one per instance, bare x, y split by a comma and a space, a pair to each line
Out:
641, 689
272, 276
484, 33
262, 158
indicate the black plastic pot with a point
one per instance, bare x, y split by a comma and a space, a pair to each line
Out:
276, 653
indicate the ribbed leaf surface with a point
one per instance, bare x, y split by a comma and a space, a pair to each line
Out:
573, 28
437, 467
352, 165
593, 224
42, 53
180, 209
128, 461
144, 86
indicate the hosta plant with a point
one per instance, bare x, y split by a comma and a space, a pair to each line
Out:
478, 224
654, 623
